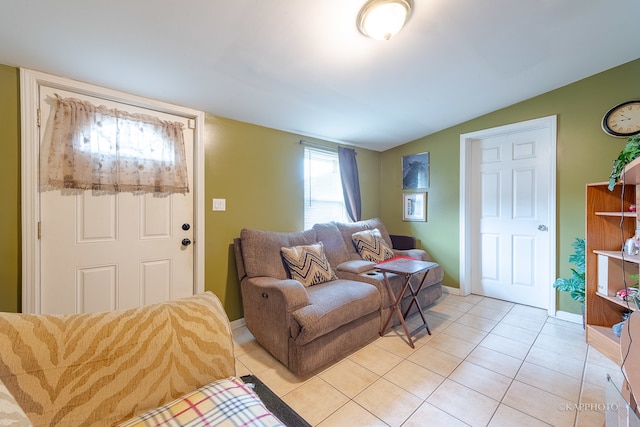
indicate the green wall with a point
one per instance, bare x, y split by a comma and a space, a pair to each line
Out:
258, 171
10, 244
584, 154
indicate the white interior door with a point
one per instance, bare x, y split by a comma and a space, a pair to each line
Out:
511, 216
112, 251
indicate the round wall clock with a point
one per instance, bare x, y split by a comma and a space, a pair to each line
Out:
623, 120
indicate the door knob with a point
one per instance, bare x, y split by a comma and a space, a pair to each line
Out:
186, 242
542, 227
185, 226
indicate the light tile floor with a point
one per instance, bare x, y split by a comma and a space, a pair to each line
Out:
487, 363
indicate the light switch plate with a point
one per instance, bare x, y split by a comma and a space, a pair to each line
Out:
219, 204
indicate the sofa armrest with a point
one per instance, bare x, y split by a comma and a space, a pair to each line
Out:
268, 303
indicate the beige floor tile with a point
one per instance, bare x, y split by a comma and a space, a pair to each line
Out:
471, 298
539, 404
397, 344
353, 415
505, 345
243, 341
454, 306
280, 380
590, 419
315, 400
576, 348
464, 332
477, 322
452, 345
509, 417
571, 365
534, 324
564, 331
465, 404
241, 369
429, 415
414, 379
258, 360
376, 359
597, 374
529, 312
487, 313
446, 311
551, 381
495, 361
482, 380
516, 333
349, 378
496, 304
597, 358
437, 322
388, 402
435, 360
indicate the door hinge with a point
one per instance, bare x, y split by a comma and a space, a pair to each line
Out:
39, 230
191, 124
38, 116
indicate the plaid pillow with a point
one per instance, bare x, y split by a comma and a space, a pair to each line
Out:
225, 402
371, 246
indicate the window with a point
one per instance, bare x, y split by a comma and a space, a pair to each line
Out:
323, 199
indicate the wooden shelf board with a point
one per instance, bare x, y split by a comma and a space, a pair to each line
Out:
617, 214
619, 255
631, 305
603, 339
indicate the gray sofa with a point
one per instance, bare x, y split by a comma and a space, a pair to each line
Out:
306, 328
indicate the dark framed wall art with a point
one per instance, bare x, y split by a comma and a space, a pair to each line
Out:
415, 171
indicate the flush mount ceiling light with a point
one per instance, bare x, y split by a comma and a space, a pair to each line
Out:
382, 19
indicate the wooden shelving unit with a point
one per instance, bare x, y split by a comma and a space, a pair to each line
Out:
609, 223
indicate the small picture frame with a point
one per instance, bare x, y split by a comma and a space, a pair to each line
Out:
415, 171
414, 207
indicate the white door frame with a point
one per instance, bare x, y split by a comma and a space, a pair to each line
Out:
29, 83
466, 140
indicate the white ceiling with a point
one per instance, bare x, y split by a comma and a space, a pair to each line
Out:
301, 65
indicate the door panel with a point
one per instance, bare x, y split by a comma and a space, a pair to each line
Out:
510, 186
113, 251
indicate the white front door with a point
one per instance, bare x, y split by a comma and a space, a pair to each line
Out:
102, 252
511, 213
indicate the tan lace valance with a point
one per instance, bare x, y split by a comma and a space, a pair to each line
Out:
97, 148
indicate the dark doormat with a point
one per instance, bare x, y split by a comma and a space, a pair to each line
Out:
288, 416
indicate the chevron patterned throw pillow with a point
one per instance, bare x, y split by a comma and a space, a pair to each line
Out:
371, 246
308, 264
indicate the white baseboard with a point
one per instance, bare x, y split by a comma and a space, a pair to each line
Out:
237, 324
569, 317
450, 290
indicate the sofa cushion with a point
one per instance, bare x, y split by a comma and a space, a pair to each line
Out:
261, 250
224, 402
347, 230
334, 245
308, 264
371, 246
332, 305
356, 266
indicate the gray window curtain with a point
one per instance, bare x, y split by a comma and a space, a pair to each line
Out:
350, 182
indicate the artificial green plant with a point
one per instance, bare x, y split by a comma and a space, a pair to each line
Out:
575, 285
629, 153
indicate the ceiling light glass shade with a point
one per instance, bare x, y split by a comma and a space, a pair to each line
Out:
382, 19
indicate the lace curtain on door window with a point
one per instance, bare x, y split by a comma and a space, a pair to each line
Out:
97, 148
